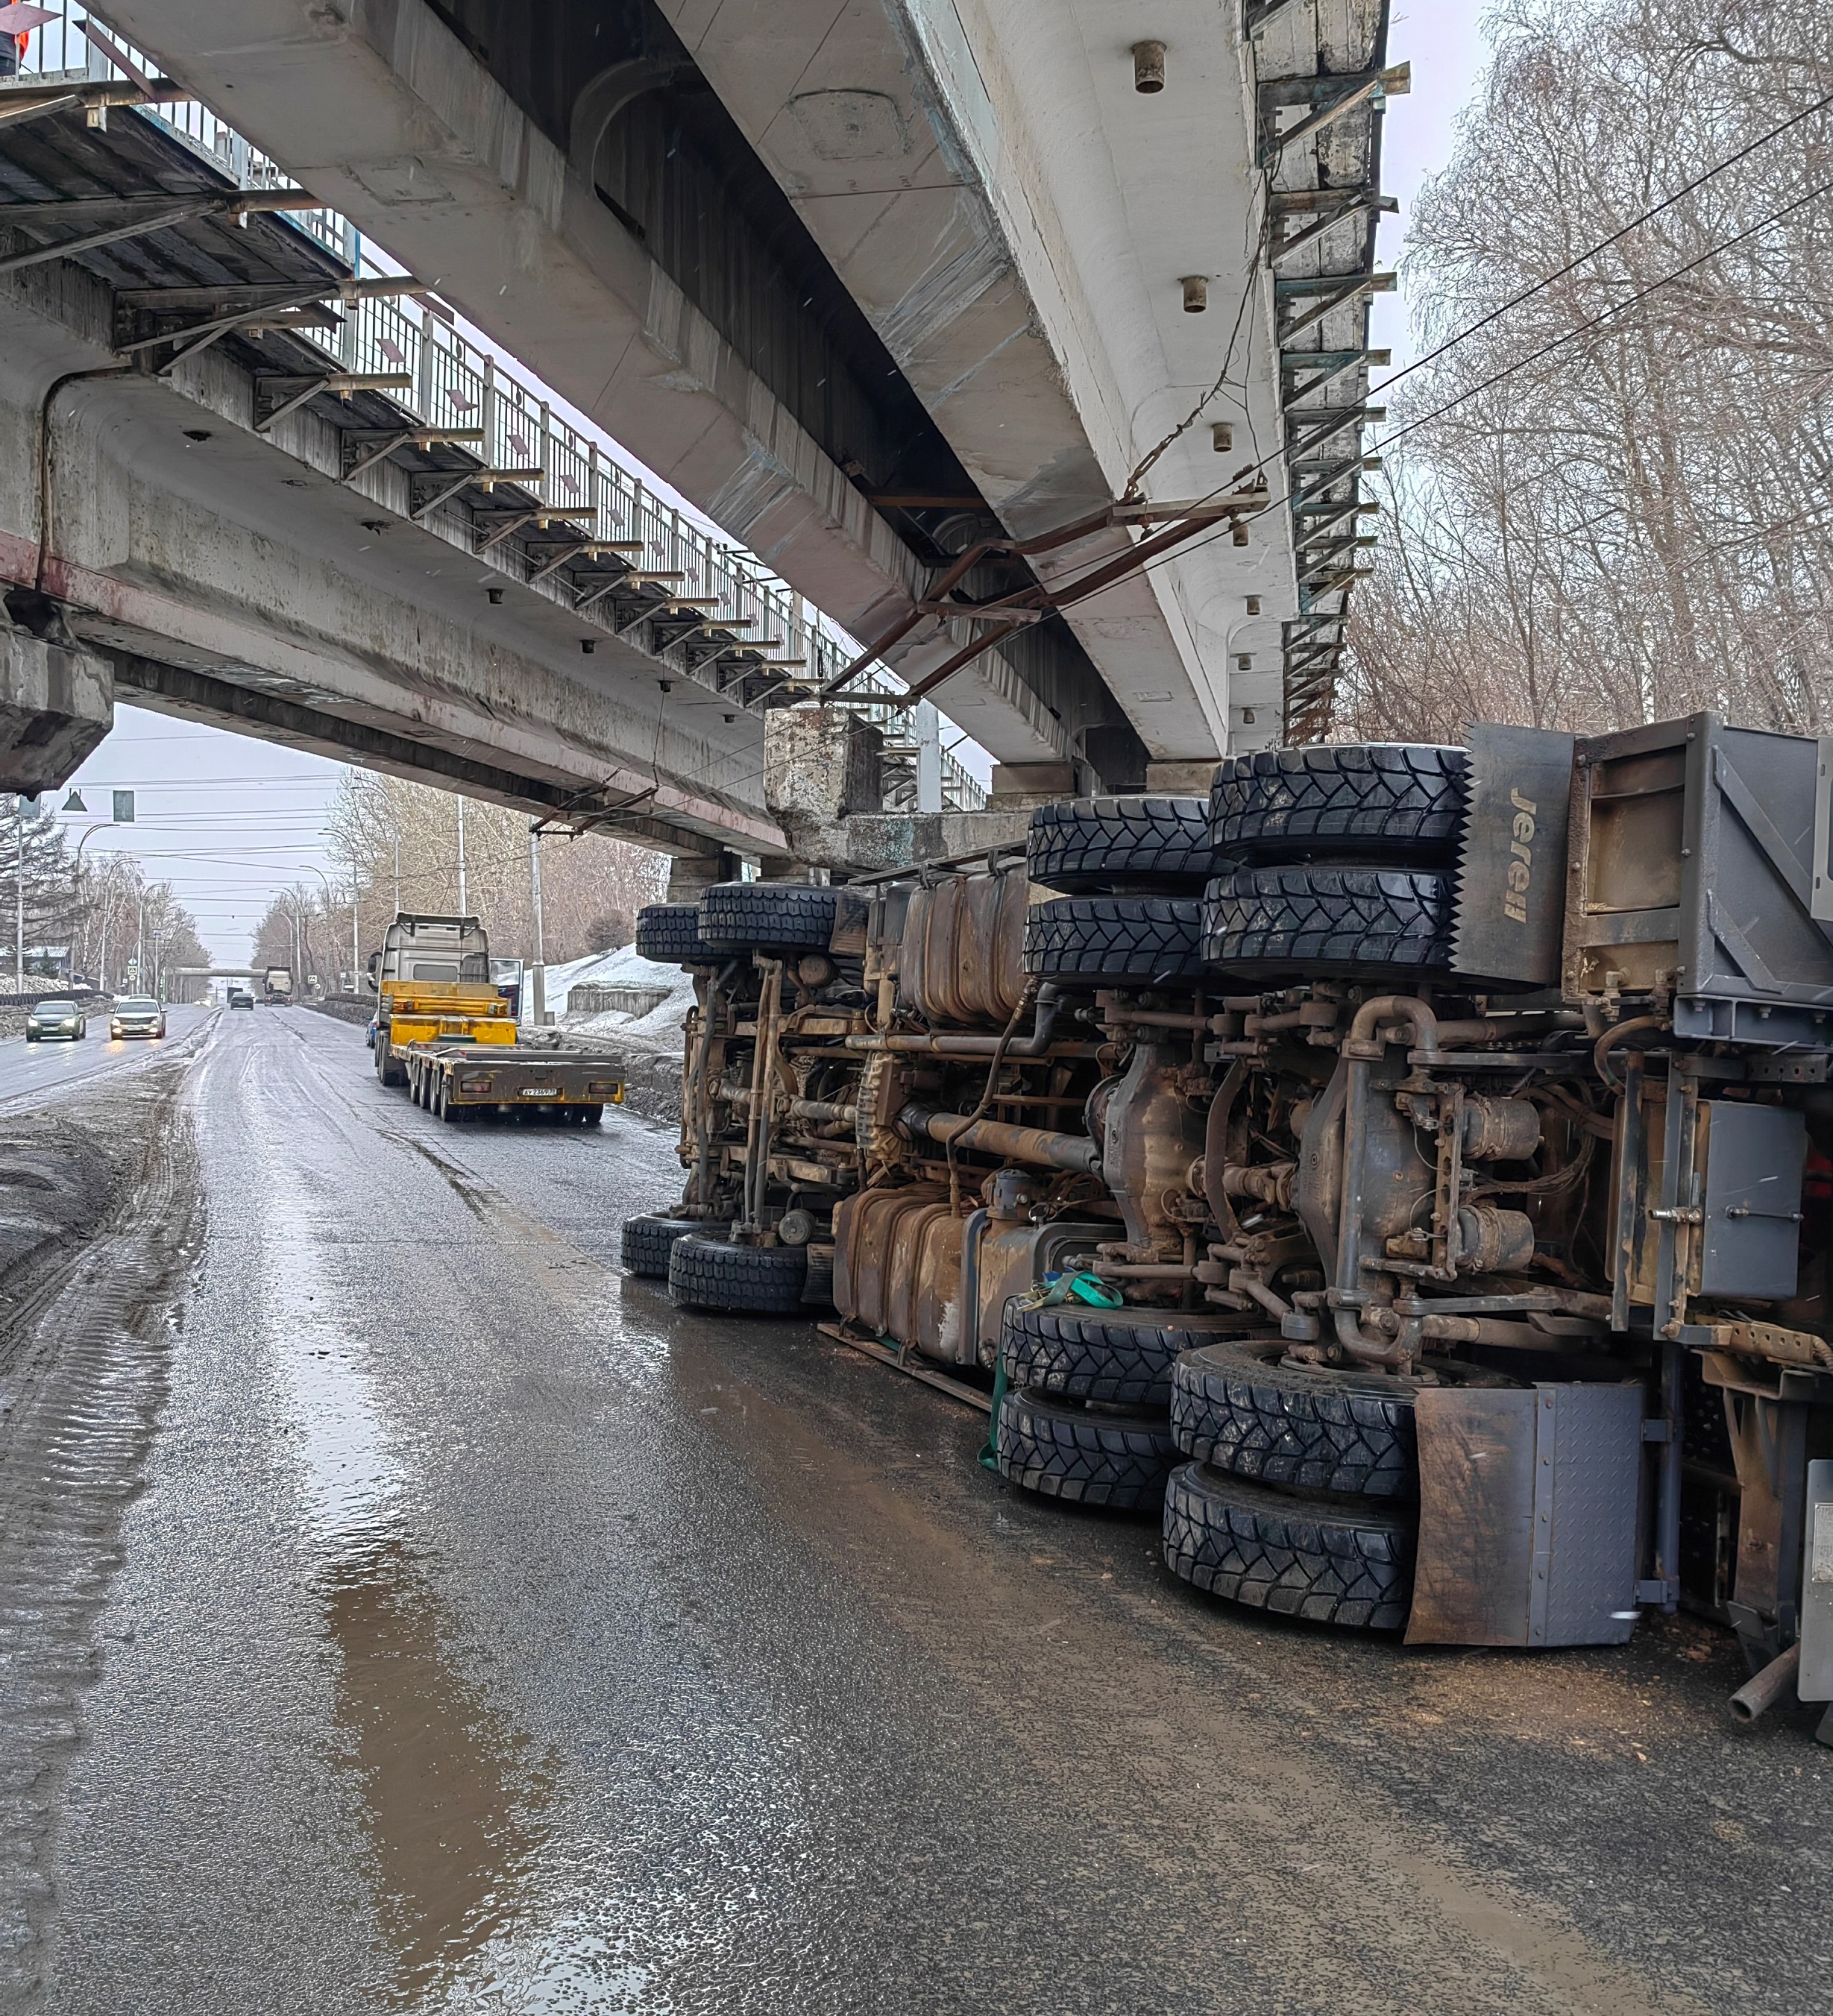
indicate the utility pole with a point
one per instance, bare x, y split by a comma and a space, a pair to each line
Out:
538, 996
356, 950
462, 911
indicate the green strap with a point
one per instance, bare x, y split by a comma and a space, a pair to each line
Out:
989, 1456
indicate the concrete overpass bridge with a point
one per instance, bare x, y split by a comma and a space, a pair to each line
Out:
877, 285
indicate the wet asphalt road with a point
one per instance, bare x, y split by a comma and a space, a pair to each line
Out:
31, 1073
488, 1636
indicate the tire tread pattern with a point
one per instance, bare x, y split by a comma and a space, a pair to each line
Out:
1328, 916
741, 917
706, 1273
669, 933
1306, 1428
645, 1243
1391, 801
1091, 845
1125, 1357
1296, 1557
1054, 1447
1146, 941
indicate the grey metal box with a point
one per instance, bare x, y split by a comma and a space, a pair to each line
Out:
1815, 1681
1528, 1527
1754, 1156
1690, 846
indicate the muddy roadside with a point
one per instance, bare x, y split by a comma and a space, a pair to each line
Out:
100, 1225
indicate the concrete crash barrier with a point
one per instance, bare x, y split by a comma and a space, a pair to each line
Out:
1479, 1235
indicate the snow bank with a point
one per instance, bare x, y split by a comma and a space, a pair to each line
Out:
660, 1029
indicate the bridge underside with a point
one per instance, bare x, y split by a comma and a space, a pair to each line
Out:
695, 318
167, 533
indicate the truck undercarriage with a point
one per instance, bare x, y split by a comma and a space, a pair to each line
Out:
1411, 1168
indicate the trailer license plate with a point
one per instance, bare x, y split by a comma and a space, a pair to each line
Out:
541, 1091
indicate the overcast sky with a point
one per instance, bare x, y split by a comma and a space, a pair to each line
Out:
229, 820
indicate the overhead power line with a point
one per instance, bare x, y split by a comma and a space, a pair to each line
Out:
1604, 244
1534, 355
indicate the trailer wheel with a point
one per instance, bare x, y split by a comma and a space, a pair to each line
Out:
1123, 1356
1341, 1561
1318, 919
647, 1240
766, 916
1120, 1460
1382, 801
669, 933
1118, 847
1299, 1426
1096, 941
708, 1273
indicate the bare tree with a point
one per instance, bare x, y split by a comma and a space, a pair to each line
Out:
1609, 503
389, 833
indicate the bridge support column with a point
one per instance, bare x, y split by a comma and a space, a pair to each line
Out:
57, 699
822, 765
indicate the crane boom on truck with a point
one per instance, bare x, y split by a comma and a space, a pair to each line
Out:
446, 1030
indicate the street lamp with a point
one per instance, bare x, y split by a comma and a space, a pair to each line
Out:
355, 936
538, 977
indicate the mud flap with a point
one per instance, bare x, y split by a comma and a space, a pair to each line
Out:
1528, 1525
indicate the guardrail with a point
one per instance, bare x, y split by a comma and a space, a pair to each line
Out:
456, 383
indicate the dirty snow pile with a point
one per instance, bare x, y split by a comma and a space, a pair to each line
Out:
659, 1029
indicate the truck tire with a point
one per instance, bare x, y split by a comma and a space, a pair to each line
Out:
387, 1071
1328, 920
708, 1273
1335, 1562
1378, 801
1119, 847
1064, 1451
647, 1241
766, 916
1300, 1426
1123, 1356
669, 933
1103, 941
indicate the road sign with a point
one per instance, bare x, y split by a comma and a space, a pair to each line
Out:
124, 808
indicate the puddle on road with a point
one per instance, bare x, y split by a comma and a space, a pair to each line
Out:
454, 1801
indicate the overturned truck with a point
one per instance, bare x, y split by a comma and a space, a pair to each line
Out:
1411, 1168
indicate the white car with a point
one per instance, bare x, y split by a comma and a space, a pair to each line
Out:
136, 1015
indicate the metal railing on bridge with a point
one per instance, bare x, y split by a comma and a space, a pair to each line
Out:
454, 384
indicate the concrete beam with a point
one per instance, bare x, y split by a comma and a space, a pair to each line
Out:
1015, 221
265, 594
384, 113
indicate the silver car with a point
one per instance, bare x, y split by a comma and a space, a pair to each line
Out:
56, 1016
137, 1015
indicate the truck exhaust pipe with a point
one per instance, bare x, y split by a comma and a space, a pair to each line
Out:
1760, 1693
994, 1137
